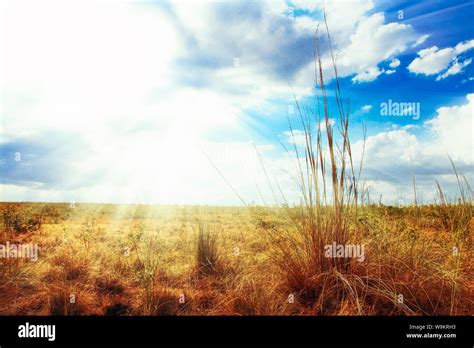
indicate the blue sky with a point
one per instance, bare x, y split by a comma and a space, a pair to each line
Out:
131, 101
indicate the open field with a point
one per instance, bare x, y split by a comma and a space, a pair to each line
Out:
200, 260
181, 117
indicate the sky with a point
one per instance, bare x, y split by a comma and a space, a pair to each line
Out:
188, 102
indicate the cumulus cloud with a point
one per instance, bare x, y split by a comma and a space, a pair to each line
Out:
421, 40
372, 43
366, 108
392, 157
143, 96
454, 69
453, 129
322, 124
367, 75
296, 137
433, 60
362, 41
94, 107
239, 47
394, 63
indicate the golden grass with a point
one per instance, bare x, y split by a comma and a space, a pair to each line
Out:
151, 265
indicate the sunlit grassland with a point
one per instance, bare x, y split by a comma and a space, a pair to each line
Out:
198, 260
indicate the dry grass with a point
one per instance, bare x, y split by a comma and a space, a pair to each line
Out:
207, 255
157, 264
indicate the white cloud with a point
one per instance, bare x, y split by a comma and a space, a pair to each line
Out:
405, 127
365, 109
149, 93
394, 63
431, 61
367, 75
343, 16
110, 84
375, 41
453, 128
421, 40
372, 42
454, 69
464, 46
298, 137
362, 41
387, 162
322, 124
58, 71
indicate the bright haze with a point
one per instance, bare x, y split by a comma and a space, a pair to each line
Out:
159, 101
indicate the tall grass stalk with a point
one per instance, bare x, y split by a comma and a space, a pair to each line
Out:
207, 256
322, 173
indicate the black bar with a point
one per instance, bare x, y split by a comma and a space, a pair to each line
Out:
240, 330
